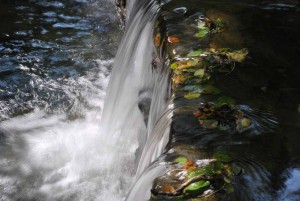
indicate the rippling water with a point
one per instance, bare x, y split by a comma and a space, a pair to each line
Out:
55, 62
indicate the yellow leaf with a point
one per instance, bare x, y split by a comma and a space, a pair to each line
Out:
191, 96
245, 122
239, 55
178, 79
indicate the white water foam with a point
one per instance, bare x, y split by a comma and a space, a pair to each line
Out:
50, 157
291, 191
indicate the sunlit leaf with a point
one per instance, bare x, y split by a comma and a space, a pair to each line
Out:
246, 122
193, 62
191, 96
181, 159
238, 55
196, 186
189, 70
172, 39
183, 66
177, 72
195, 53
167, 188
179, 79
199, 72
205, 171
202, 32
174, 65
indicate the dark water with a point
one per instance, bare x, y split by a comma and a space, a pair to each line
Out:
266, 87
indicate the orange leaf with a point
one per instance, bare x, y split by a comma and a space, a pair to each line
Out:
157, 40
167, 188
172, 39
188, 165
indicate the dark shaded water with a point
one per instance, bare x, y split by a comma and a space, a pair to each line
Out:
266, 87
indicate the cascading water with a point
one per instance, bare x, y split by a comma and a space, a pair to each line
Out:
78, 156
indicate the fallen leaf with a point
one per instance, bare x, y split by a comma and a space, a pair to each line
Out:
178, 79
167, 188
181, 159
199, 72
238, 55
172, 39
174, 65
245, 122
202, 32
157, 40
196, 186
191, 96
195, 53
193, 62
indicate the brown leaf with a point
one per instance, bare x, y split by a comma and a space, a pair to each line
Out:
172, 39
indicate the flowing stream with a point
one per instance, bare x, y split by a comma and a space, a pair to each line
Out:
59, 141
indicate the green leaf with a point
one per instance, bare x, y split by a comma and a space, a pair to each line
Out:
208, 170
222, 156
191, 96
202, 32
189, 70
195, 53
178, 72
197, 185
174, 65
224, 100
181, 159
199, 72
193, 62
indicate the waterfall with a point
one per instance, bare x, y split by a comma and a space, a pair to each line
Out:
136, 97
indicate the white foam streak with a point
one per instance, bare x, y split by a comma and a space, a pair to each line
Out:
292, 188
